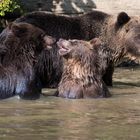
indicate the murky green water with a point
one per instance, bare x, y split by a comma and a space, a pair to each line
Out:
52, 118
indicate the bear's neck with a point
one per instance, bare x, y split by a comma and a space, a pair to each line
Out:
82, 73
111, 39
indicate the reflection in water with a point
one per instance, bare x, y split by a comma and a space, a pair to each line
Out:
53, 118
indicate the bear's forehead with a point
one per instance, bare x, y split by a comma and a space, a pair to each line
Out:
135, 21
81, 43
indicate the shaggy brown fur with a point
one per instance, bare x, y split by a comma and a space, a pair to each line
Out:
82, 74
120, 33
51, 64
20, 46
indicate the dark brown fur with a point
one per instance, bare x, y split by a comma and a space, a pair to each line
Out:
82, 73
120, 33
20, 47
50, 66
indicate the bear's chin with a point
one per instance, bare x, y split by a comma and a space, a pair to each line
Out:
63, 52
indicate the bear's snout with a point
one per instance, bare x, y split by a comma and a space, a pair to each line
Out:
62, 43
137, 39
63, 47
133, 45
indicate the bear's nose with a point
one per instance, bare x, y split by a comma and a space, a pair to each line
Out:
61, 39
62, 43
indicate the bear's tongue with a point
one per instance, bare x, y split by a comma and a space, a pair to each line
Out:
63, 43
63, 52
63, 46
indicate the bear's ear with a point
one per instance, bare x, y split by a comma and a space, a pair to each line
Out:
122, 19
9, 24
18, 29
49, 41
95, 42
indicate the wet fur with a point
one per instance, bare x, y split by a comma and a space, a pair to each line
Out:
82, 73
50, 63
112, 30
17, 72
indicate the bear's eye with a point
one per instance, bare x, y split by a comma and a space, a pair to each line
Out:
73, 43
127, 30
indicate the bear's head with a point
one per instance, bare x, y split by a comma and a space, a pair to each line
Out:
78, 49
82, 76
25, 35
21, 45
127, 30
83, 53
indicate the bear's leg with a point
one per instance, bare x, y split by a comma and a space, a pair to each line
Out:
32, 92
75, 92
97, 90
107, 77
105, 90
70, 90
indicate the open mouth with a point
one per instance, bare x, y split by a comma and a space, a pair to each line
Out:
63, 47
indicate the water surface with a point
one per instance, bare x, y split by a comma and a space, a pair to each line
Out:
52, 118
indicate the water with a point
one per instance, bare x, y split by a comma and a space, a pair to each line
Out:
52, 118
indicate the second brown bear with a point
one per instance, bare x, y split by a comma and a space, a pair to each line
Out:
82, 74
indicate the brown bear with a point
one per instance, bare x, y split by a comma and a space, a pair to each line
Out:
20, 47
82, 73
121, 33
